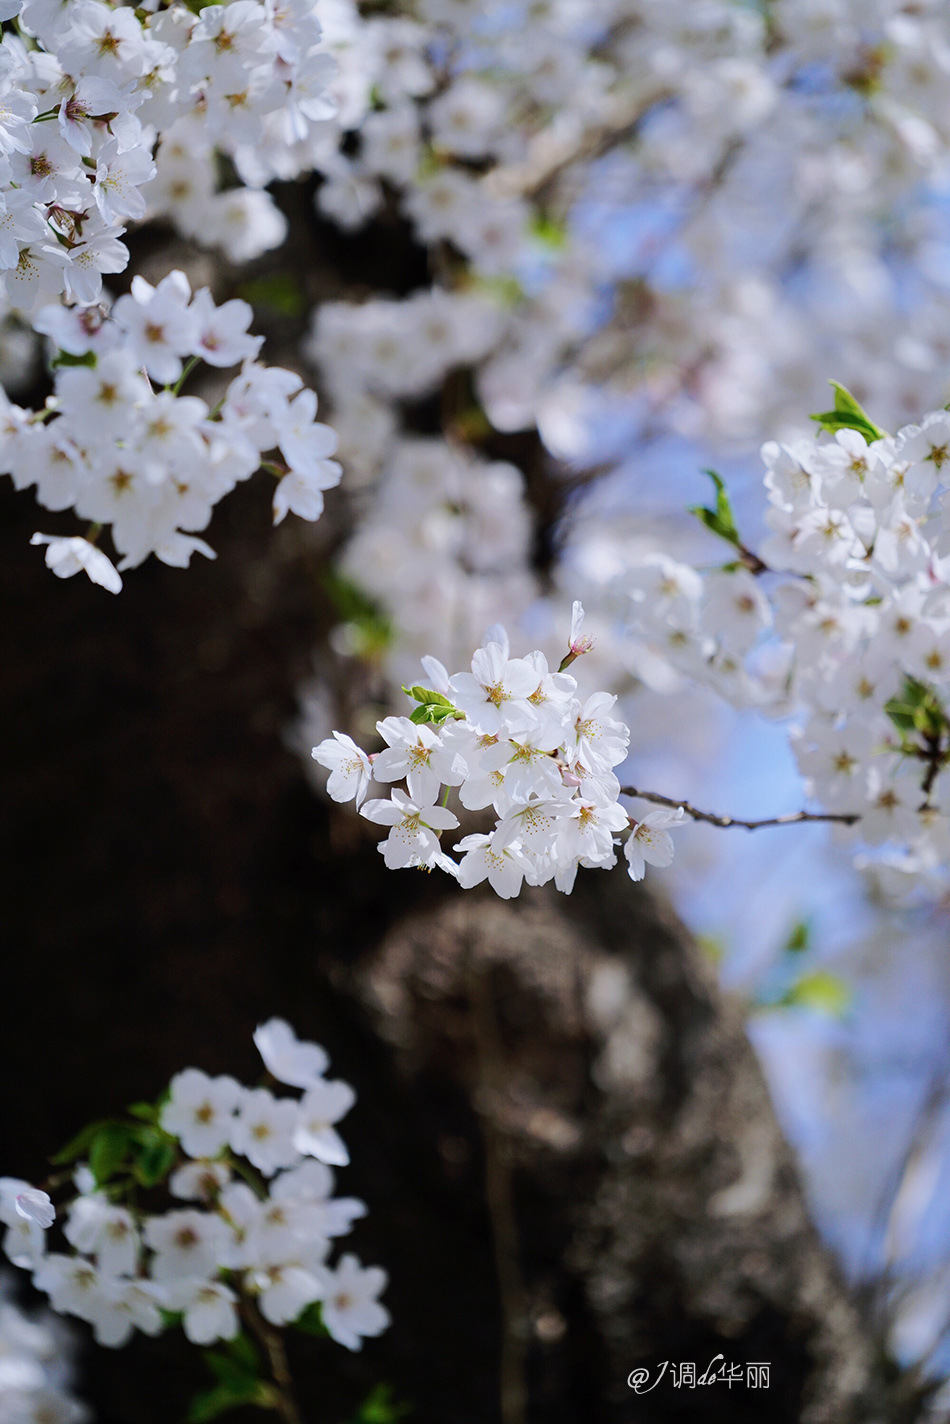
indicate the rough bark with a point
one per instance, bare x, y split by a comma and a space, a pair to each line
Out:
636, 1173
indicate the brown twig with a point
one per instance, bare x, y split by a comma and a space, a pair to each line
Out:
550, 155
753, 563
793, 818
284, 1402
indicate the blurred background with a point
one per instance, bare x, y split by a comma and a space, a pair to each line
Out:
701, 214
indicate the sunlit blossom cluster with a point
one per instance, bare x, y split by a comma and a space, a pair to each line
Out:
118, 443
86, 88
842, 617
674, 214
513, 737
251, 1228
590, 161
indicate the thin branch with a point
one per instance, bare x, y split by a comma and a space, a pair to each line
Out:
793, 818
284, 1402
550, 154
753, 563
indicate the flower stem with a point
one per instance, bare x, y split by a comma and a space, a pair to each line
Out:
284, 1402
187, 369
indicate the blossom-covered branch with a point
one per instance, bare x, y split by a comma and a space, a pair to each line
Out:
152, 463
243, 1251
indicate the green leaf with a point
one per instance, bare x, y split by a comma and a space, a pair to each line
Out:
799, 939
244, 1353
507, 290
368, 623
848, 415
433, 707
820, 990
712, 947
280, 292
549, 232
429, 713
234, 1363
66, 358
155, 1160
917, 708
720, 520
108, 1150
79, 1145
426, 695
213, 1402
380, 1407
310, 1321
148, 1112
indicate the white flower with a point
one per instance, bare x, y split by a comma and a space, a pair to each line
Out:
302, 494
599, 741
503, 869
414, 828
221, 336
349, 767
494, 695
199, 1181
416, 752
67, 556
263, 1131
24, 1241
241, 1209
91, 97
98, 1228
209, 1308
320, 1107
121, 1306
284, 1291
120, 176
304, 443
350, 1307
287, 1058
20, 224
650, 842
186, 1243
526, 766
200, 1111
100, 252
245, 223
72, 1284
158, 324
587, 832
35, 1206
578, 643
534, 826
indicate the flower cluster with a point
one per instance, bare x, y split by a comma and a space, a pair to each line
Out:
152, 463
85, 87
575, 173
35, 1366
490, 124
256, 1223
513, 736
857, 641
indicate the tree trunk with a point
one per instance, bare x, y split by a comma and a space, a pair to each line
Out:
571, 1163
